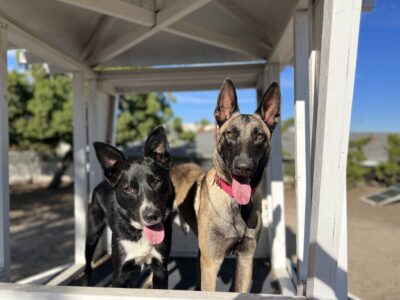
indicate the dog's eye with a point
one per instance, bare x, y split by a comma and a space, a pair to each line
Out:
231, 135
129, 190
260, 136
157, 183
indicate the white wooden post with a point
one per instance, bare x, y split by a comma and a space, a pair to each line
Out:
302, 144
264, 243
112, 134
114, 114
80, 172
341, 281
340, 28
4, 145
94, 169
278, 246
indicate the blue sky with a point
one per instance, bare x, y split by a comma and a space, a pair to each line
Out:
376, 103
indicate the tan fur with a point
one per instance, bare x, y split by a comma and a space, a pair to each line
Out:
208, 209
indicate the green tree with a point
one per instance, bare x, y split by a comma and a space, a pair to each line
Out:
140, 113
184, 135
389, 171
203, 123
20, 91
188, 135
177, 125
40, 108
355, 170
287, 124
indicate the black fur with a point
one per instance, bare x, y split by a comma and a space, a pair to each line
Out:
117, 202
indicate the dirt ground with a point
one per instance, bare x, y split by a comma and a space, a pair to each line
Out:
42, 237
373, 244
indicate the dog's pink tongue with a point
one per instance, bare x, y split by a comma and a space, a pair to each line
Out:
241, 192
154, 234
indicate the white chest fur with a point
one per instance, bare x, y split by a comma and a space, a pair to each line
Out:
141, 251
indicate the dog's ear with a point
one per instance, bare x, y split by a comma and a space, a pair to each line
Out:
270, 106
110, 158
227, 103
157, 147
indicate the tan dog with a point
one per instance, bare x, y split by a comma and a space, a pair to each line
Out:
222, 206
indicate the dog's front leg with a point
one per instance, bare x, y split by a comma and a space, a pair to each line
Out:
244, 265
209, 267
160, 274
121, 269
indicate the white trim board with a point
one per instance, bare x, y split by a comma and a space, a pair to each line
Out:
32, 292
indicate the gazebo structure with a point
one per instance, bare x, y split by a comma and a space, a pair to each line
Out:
194, 45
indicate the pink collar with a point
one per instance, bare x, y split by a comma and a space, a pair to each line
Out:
226, 187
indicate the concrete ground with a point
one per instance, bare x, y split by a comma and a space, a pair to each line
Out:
42, 234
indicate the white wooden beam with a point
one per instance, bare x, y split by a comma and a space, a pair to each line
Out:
66, 276
263, 249
177, 11
278, 259
94, 168
340, 29
342, 281
183, 78
24, 38
80, 172
102, 29
4, 175
196, 33
117, 9
302, 143
113, 119
231, 8
282, 53
36, 292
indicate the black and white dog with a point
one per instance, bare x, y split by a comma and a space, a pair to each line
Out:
136, 202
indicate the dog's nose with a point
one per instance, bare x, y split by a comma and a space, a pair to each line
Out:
151, 216
243, 168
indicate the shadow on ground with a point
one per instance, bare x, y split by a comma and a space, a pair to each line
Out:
42, 229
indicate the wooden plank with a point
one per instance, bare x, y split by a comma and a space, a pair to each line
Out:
112, 134
199, 34
102, 30
43, 277
302, 143
285, 282
340, 28
4, 175
278, 247
25, 39
117, 9
32, 292
80, 171
264, 242
229, 7
94, 168
182, 78
65, 277
166, 17
341, 280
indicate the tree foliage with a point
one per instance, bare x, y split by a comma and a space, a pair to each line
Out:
389, 171
140, 113
184, 135
40, 110
40, 107
287, 124
356, 172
